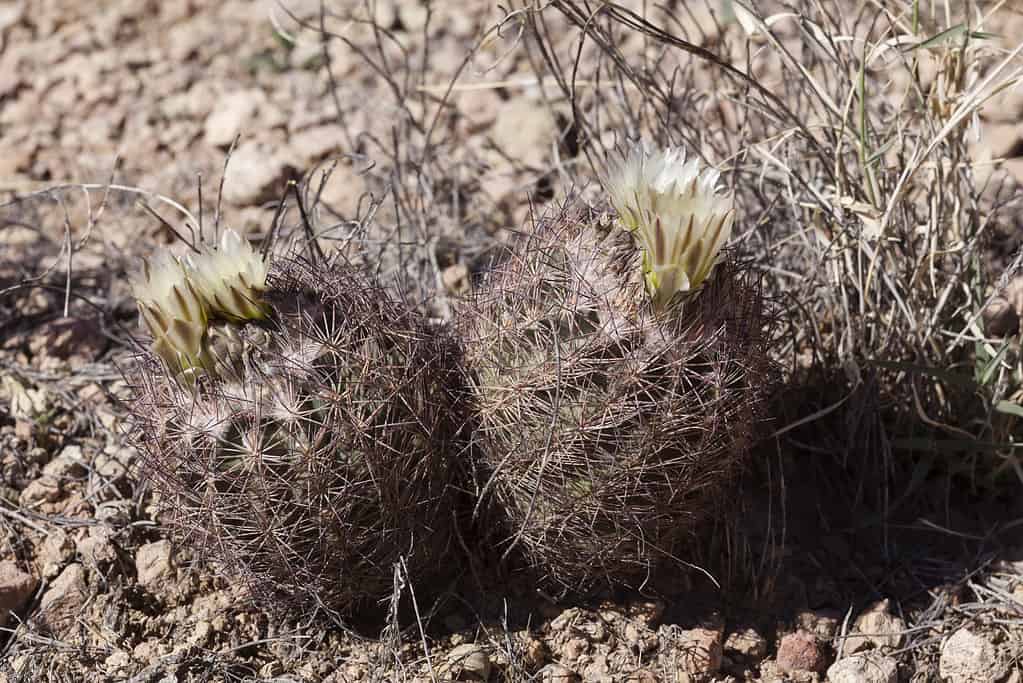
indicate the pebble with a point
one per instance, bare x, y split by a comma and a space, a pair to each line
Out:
467, 662
747, 644
866, 667
800, 651
967, 657
255, 173
16, 587
230, 115
875, 628
62, 603
701, 651
556, 673
154, 567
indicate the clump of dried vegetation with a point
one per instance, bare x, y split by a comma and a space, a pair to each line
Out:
861, 207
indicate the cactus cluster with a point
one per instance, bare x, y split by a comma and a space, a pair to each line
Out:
310, 430
319, 454
607, 428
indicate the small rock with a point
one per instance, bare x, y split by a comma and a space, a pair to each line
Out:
821, 623
597, 671
118, 661
876, 628
62, 603
253, 174
533, 653
1000, 318
747, 645
343, 190
701, 651
77, 341
48, 488
800, 651
649, 612
866, 667
969, 658
642, 676
16, 587
97, 547
230, 115
640, 639
556, 673
313, 144
456, 278
574, 649
56, 550
42, 490
524, 131
468, 663
153, 566
1014, 294
477, 109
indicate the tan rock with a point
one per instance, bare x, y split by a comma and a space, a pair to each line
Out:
700, 650
16, 588
62, 603
866, 667
968, 657
525, 131
468, 662
746, 644
154, 566
255, 173
314, 144
556, 673
55, 552
231, 114
875, 628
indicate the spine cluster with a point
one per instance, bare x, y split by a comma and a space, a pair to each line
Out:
610, 382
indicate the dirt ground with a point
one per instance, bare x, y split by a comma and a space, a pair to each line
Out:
106, 106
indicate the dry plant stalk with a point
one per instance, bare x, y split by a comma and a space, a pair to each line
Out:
323, 457
607, 428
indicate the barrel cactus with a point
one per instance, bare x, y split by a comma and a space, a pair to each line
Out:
618, 377
304, 443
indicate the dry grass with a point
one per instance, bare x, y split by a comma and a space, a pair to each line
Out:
860, 200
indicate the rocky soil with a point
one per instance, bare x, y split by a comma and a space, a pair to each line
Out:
141, 100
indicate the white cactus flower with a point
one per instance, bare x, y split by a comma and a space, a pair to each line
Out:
231, 278
173, 312
677, 212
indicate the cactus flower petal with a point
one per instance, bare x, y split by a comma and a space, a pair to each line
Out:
678, 214
172, 311
231, 278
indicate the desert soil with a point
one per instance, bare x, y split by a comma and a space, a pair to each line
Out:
152, 95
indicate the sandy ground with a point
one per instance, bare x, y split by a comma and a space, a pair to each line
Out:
143, 100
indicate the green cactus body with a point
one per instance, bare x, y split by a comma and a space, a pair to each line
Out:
319, 453
607, 428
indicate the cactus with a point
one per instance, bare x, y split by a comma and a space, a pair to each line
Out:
609, 422
316, 450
